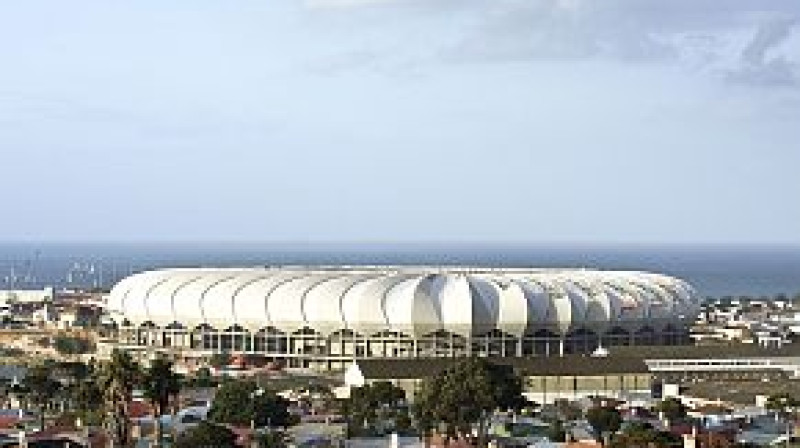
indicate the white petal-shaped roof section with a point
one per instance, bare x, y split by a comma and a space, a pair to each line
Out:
539, 303
415, 301
323, 304
225, 295
363, 305
599, 310
136, 299
160, 306
285, 303
250, 303
485, 304
452, 296
193, 302
514, 313
410, 309
579, 301
118, 297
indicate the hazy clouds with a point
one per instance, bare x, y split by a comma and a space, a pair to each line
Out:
534, 120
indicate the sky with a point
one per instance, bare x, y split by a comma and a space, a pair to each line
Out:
615, 121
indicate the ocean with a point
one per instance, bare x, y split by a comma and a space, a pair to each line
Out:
715, 271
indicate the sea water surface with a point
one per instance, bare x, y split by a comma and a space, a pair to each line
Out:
715, 271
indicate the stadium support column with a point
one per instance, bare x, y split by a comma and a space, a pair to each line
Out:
520, 342
561, 344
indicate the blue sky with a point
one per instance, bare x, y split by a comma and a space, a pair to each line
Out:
401, 120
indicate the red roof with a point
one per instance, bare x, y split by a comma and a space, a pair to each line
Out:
7, 422
139, 409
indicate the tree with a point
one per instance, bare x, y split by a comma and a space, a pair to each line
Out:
88, 400
41, 388
374, 403
242, 403
603, 420
201, 378
117, 378
782, 404
556, 432
567, 410
672, 408
643, 435
70, 345
272, 439
207, 435
219, 360
161, 385
465, 393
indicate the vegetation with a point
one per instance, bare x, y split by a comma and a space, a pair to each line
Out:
219, 360
161, 386
604, 421
207, 435
272, 439
73, 345
88, 400
567, 410
556, 432
244, 403
784, 405
377, 405
201, 378
41, 389
672, 409
463, 395
643, 435
117, 378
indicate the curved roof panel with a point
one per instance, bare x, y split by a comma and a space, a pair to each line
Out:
415, 301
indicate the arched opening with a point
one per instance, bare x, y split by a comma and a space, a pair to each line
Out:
581, 340
147, 334
175, 335
617, 336
235, 339
545, 342
307, 342
390, 344
440, 344
206, 337
494, 343
271, 341
645, 336
672, 335
174, 325
346, 343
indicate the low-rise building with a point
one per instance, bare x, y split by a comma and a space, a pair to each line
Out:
545, 380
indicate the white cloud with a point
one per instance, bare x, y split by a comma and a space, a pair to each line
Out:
759, 65
325, 4
739, 43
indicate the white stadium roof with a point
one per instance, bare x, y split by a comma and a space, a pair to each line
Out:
412, 300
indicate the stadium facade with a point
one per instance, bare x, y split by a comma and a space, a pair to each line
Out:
324, 317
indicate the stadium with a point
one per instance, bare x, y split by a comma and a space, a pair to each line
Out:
325, 317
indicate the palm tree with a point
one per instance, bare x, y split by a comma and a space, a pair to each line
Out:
117, 378
41, 389
161, 385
